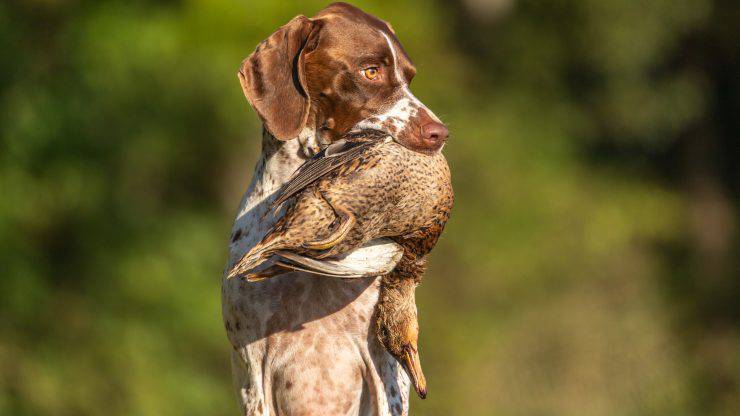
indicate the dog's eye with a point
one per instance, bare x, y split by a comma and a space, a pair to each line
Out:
371, 73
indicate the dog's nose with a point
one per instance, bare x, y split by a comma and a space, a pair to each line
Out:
434, 133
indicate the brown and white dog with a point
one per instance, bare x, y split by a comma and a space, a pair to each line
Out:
304, 344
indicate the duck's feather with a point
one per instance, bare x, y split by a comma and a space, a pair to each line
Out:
375, 258
332, 157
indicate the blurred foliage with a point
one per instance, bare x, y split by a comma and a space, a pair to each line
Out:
590, 268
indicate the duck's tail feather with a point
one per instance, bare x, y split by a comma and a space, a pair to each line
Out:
254, 258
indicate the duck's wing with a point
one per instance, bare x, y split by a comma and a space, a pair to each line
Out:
375, 258
334, 156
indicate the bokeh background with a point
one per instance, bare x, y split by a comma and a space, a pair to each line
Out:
591, 267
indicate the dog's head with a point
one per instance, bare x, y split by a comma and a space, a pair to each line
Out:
317, 79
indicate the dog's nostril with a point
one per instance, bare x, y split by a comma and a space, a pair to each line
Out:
435, 132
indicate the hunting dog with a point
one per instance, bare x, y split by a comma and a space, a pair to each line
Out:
304, 344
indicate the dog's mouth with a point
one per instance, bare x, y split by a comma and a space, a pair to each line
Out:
421, 133
358, 133
423, 146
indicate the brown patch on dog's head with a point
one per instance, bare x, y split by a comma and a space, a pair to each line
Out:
351, 43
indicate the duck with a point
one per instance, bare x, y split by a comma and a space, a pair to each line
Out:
360, 188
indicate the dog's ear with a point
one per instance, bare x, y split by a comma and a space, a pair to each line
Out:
272, 78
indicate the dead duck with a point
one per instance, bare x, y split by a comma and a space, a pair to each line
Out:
360, 188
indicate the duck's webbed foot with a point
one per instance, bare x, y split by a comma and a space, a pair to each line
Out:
346, 222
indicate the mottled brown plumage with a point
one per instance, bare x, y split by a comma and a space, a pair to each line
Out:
363, 187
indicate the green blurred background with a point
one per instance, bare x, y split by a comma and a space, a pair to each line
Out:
591, 266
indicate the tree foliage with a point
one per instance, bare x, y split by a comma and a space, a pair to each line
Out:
590, 266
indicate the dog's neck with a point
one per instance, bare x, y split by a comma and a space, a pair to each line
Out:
279, 160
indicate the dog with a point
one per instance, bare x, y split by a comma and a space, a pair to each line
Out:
304, 344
